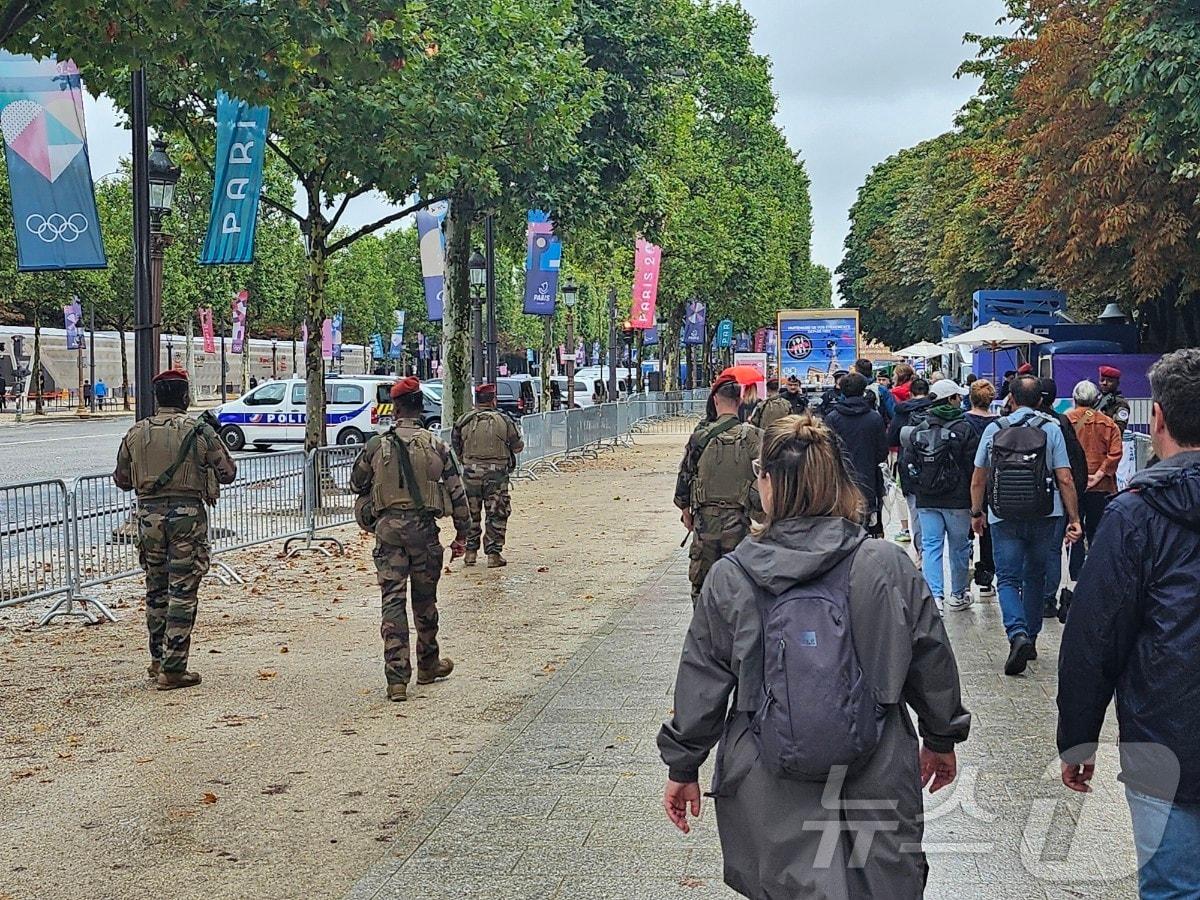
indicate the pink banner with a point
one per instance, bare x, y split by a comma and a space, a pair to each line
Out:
241, 303
760, 340
647, 263
327, 339
206, 329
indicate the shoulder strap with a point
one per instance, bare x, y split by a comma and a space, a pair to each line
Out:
184, 450
711, 434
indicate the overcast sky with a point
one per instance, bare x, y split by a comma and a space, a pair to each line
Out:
857, 80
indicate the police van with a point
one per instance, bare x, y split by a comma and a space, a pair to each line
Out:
274, 413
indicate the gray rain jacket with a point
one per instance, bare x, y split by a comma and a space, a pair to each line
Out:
787, 839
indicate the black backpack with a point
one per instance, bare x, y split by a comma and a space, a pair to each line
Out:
931, 461
1021, 483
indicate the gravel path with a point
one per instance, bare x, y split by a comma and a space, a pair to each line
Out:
286, 774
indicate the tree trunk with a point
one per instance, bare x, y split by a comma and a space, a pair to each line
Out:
547, 356
456, 321
189, 351
35, 370
246, 356
124, 369
314, 317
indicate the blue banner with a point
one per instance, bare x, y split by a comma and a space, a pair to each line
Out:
396, 349
650, 337
241, 152
432, 242
694, 322
45, 144
543, 259
742, 343
337, 336
377, 346
725, 334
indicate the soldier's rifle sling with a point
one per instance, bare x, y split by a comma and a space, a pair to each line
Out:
185, 450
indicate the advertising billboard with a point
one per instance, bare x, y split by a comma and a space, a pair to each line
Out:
815, 343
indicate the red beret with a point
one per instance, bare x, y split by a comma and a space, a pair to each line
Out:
1109, 372
485, 392
171, 375
773, 384
404, 386
1025, 369
724, 379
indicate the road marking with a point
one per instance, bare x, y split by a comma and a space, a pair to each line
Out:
78, 437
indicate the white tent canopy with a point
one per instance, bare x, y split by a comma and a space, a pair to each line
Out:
923, 350
996, 336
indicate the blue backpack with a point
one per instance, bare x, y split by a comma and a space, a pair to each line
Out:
818, 712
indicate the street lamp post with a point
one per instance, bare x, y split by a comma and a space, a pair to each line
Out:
493, 338
570, 292
163, 176
274, 367
170, 352
479, 282
612, 345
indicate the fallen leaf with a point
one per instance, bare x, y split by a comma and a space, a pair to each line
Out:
142, 760
283, 649
690, 882
264, 674
543, 569
40, 727
209, 798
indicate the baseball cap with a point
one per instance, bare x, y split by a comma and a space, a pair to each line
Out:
945, 389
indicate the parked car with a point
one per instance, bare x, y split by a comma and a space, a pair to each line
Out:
517, 395
431, 415
275, 413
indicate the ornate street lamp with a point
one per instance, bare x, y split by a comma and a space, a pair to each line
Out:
163, 175
478, 268
570, 294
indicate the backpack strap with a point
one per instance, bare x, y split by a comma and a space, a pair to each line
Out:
406, 469
710, 435
185, 450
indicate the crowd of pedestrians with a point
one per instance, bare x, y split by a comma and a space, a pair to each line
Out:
811, 639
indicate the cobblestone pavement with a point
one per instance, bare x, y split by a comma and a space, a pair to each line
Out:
565, 805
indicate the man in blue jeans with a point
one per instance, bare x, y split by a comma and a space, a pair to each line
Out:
1022, 546
1134, 631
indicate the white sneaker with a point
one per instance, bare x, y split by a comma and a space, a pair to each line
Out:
959, 602
941, 607
902, 537
987, 593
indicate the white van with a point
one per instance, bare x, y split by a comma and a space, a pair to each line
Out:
274, 413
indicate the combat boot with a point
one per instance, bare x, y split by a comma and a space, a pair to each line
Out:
153, 669
444, 668
170, 681
398, 693
471, 557
495, 561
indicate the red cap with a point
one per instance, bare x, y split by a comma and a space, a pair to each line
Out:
1025, 369
404, 386
485, 392
1109, 372
171, 375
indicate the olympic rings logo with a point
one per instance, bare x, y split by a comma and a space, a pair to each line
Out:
57, 227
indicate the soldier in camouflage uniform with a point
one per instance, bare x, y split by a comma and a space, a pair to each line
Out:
406, 479
716, 488
773, 408
487, 441
175, 464
1112, 402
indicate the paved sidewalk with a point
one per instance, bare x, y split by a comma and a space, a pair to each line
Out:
565, 804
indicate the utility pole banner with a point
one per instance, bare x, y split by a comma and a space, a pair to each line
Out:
72, 316
647, 262
241, 153
50, 179
543, 260
432, 242
694, 322
206, 329
241, 307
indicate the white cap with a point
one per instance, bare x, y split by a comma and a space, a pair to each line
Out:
945, 389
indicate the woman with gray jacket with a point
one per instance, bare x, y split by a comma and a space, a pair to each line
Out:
848, 830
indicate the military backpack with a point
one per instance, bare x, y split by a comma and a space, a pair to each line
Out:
166, 461
407, 474
724, 470
485, 437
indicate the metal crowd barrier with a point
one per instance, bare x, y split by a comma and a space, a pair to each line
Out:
60, 542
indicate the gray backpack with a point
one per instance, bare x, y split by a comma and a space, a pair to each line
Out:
817, 712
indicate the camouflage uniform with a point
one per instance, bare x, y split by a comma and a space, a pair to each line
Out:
1116, 407
172, 525
721, 518
488, 457
770, 410
408, 547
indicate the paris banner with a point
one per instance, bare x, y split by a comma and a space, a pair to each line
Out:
694, 322
241, 307
725, 334
45, 144
206, 329
241, 152
647, 261
432, 242
397, 342
73, 318
543, 260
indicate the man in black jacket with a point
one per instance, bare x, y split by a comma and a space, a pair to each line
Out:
939, 461
1134, 630
864, 444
